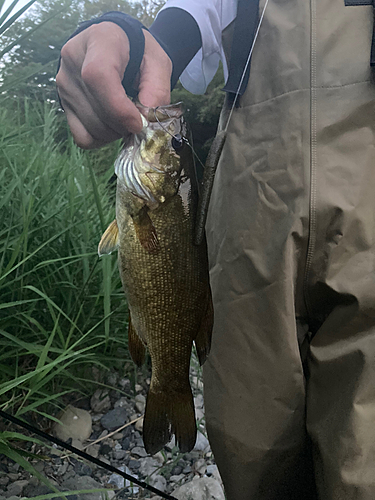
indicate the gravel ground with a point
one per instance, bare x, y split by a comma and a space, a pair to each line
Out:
109, 426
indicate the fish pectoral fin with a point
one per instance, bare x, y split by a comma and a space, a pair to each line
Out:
203, 339
145, 230
167, 414
109, 240
136, 347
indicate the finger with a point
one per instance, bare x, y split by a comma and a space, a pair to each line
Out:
155, 75
76, 103
102, 74
82, 136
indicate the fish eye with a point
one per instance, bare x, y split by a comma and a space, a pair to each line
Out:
177, 142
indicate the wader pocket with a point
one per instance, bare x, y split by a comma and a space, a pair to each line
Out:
359, 2
366, 2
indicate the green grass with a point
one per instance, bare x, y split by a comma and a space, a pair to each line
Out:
62, 309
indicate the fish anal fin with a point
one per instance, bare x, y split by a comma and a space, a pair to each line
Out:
168, 413
136, 347
146, 232
109, 240
203, 339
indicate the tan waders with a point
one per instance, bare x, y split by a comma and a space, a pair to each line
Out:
290, 381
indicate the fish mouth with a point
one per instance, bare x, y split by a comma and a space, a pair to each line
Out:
130, 164
127, 165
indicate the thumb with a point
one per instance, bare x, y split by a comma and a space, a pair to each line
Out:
155, 75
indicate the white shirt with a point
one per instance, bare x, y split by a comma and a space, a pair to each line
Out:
212, 17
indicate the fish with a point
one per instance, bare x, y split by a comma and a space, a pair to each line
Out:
163, 269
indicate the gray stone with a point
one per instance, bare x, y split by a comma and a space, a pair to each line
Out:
117, 480
114, 419
198, 401
77, 443
61, 469
121, 403
148, 466
13, 476
159, 457
96, 417
124, 383
200, 466
120, 482
112, 379
84, 483
4, 480
201, 444
16, 488
118, 436
139, 451
213, 471
158, 482
199, 415
139, 425
171, 444
93, 450
177, 478
140, 403
134, 464
100, 401
34, 481
176, 470
119, 454
82, 469
205, 488
34, 491
105, 449
75, 424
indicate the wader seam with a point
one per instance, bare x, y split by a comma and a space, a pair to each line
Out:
320, 87
313, 156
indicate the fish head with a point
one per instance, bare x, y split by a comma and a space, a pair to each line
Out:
149, 165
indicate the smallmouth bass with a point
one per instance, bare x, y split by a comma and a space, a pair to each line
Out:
164, 274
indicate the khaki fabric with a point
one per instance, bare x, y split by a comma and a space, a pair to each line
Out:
290, 381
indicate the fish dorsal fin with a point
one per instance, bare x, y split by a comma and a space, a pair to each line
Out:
109, 240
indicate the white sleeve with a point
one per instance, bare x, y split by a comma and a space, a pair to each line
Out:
212, 17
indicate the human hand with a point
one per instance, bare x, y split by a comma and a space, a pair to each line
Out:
89, 84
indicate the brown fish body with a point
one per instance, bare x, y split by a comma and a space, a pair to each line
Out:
165, 279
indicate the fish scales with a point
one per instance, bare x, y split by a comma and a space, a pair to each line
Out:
164, 275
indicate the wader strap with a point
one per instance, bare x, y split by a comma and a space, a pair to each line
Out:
243, 37
373, 38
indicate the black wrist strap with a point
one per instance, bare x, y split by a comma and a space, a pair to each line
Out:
243, 38
134, 31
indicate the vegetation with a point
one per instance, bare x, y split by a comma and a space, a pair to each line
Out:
62, 310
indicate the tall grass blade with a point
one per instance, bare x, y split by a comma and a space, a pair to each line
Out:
15, 16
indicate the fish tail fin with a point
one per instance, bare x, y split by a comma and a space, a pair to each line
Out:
203, 339
168, 414
136, 347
